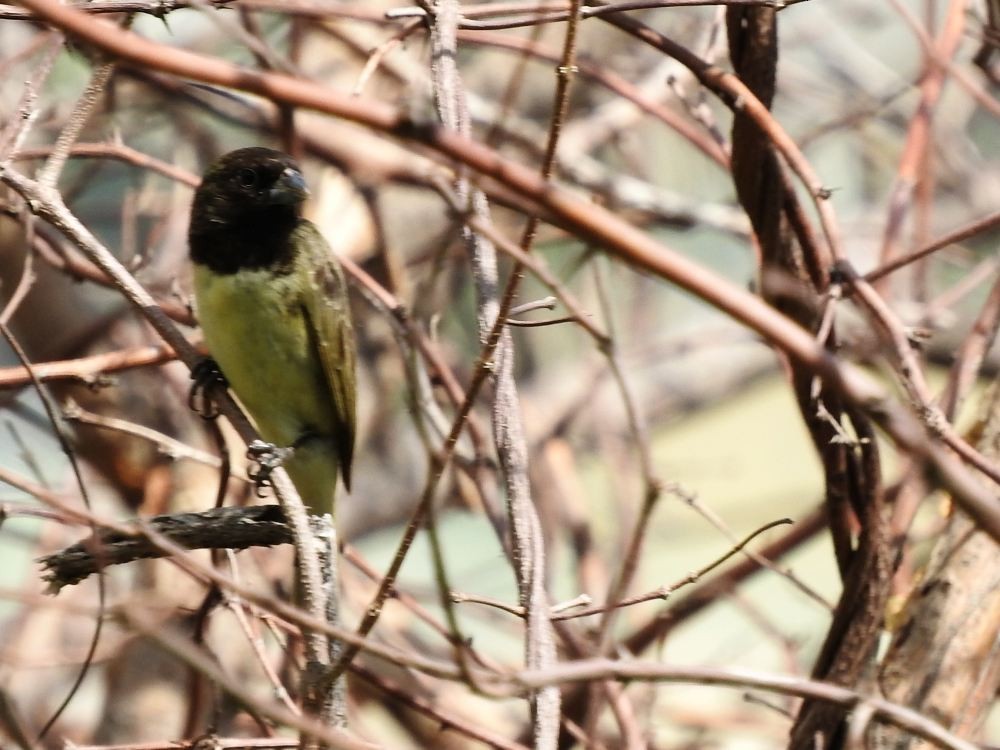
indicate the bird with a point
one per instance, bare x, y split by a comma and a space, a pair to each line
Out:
272, 303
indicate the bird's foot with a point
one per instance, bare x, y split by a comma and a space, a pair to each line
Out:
265, 458
206, 378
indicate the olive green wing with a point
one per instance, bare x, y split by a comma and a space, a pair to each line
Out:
328, 315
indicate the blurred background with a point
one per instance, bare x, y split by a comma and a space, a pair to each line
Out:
725, 436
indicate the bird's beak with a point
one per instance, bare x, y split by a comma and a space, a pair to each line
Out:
289, 189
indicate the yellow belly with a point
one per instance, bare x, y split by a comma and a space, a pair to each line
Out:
256, 330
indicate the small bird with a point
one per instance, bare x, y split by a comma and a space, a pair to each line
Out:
272, 303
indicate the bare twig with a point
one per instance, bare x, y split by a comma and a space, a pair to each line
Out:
664, 592
48, 175
168, 446
912, 376
971, 354
119, 152
16, 131
979, 226
252, 635
596, 669
92, 370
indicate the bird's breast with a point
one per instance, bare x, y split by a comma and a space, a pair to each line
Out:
256, 330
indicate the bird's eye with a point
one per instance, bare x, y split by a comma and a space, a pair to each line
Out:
246, 178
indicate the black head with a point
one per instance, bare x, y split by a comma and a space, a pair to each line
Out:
247, 204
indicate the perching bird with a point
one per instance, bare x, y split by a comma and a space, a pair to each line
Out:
272, 303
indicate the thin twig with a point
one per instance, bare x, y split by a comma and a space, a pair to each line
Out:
979, 226
708, 514
664, 592
168, 446
48, 175
235, 606
14, 134
119, 152
971, 354
912, 376
92, 370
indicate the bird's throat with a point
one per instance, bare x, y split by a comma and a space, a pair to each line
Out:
258, 241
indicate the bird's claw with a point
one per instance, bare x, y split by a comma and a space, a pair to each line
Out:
206, 377
266, 457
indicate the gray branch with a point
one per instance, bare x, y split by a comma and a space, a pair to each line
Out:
508, 430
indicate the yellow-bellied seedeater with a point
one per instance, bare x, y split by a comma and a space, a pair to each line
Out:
272, 303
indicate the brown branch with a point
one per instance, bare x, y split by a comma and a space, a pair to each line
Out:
979, 226
156, 7
743, 101
664, 592
912, 377
971, 353
119, 152
919, 130
92, 370
168, 446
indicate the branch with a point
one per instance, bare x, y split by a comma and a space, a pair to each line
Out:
218, 528
92, 370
